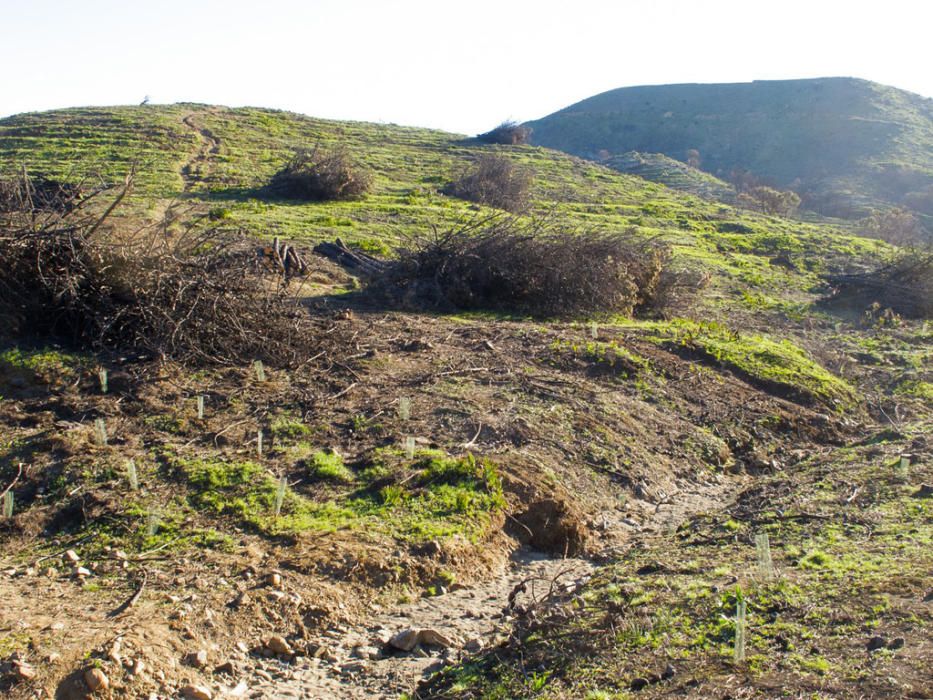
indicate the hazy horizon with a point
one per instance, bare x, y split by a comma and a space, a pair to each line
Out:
460, 68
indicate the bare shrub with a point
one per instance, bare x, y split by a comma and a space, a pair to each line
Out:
897, 226
769, 200
320, 174
534, 268
494, 181
197, 299
508, 133
904, 285
25, 193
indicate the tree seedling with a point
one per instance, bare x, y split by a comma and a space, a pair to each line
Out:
404, 408
102, 377
763, 550
100, 431
259, 443
131, 474
260, 371
410, 447
594, 330
8, 504
740, 628
280, 495
200, 407
152, 524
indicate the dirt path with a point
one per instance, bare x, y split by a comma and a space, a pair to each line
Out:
197, 168
356, 663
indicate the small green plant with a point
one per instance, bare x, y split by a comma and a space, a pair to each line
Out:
329, 466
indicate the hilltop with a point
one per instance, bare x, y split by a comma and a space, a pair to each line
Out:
845, 145
299, 471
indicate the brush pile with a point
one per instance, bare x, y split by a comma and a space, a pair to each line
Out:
194, 297
530, 268
320, 174
904, 285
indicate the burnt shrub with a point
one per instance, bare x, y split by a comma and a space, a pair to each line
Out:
508, 133
320, 174
494, 181
535, 268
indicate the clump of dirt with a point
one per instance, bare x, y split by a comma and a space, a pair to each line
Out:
552, 525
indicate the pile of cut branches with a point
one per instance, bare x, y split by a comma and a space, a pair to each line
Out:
194, 297
534, 268
904, 285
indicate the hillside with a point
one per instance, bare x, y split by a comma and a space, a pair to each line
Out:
845, 145
337, 493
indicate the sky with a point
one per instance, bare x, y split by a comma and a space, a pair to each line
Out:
458, 66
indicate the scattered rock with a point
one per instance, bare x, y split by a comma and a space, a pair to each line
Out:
668, 672
897, 643
71, 557
96, 679
278, 645
24, 671
274, 579
876, 643
474, 646
352, 668
365, 652
262, 674
81, 572
406, 640
638, 684
435, 638
227, 667
138, 667
198, 658
197, 692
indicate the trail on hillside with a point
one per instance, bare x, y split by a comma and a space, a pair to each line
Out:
197, 167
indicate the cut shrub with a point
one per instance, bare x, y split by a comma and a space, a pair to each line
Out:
494, 181
320, 174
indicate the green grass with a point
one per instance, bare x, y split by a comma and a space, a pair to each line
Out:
444, 496
766, 361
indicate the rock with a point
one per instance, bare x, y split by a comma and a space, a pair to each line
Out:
278, 645
24, 671
262, 674
274, 579
668, 672
242, 646
81, 572
406, 640
227, 667
239, 690
474, 646
96, 679
876, 643
434, 638
365, 652
50, 572
638, 684
138, 667
197, 692
925, 491
198, 658
352, 668
897, 643
71, 557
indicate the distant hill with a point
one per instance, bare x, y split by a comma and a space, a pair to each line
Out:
845, 145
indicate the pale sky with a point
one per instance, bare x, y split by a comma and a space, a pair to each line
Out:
458, 66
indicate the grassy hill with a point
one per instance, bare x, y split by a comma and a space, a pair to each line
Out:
206, 525
673, 173
845, 145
